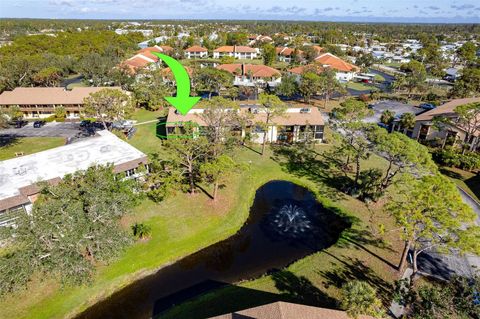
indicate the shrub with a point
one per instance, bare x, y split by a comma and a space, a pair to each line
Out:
141, 230
359, 298
452, 158
364, 97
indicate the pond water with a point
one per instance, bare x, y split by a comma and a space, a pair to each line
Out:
285, 224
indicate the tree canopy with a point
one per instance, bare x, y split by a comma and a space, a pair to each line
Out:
72, 226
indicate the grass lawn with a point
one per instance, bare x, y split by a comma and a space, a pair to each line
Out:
177, 232
142, 115
77, 84
361, 86
379, 78
29, 145
393, 64
468, 181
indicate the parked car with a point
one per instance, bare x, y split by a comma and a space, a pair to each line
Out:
383, 125
85, 123
38, 124
20, 123
205, 95
427, 106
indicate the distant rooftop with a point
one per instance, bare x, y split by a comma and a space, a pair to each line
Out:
19, 173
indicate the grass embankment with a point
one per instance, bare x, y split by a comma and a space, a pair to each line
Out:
318, 278
28, 145
184, 224
468, 181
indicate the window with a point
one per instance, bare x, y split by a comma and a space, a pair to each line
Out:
130, 172
258, 129
318, 129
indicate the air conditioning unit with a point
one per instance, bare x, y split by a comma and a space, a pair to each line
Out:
305, 110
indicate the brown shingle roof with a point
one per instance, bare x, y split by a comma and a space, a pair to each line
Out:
13, 201
48, 95
129, 165
290, 118
446, 109
287, 310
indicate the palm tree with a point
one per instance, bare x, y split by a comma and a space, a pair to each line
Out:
407, 122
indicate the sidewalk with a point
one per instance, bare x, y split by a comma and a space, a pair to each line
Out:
396, 310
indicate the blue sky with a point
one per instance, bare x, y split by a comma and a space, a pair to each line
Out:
318, 10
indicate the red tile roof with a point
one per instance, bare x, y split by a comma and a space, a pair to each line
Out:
318, 48
261, 71
285, 51
196, 48
447, 109
167, 72
235, 48
309, 67
141, 58
334, 62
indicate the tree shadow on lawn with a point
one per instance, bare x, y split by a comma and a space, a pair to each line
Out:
474, 184
314, 166
228, 298
360, 239
8, 140
451, 174
354, 269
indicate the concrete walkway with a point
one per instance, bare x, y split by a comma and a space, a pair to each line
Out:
146, 122
396, 310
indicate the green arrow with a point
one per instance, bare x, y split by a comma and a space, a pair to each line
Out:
183, 102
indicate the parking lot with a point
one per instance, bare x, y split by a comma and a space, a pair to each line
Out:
396, 107
53, 129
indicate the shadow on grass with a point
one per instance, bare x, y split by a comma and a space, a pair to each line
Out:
317, 167
230, 298
360, 239
161, 128
8, 140
251, 149
354, 269
474, 184
451, 174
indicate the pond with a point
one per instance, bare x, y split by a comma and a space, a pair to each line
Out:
285, 224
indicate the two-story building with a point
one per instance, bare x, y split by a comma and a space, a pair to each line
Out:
252, 74
19, 176
236, 51
344, 71
144, 58
451, 133
296, 125
286, 54
196, 52
41, 102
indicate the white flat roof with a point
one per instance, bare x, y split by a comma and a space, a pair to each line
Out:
103, 149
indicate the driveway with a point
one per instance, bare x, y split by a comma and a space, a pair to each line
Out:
396, 107
53, 129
